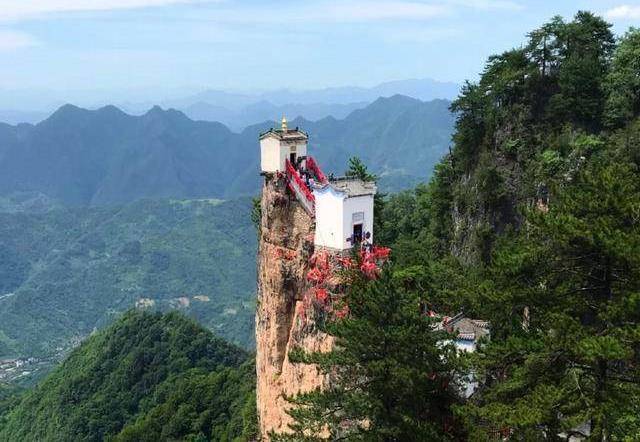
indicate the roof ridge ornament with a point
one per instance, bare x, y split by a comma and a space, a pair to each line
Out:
284, 124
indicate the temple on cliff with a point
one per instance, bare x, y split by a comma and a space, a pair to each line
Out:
342, 208
309, 224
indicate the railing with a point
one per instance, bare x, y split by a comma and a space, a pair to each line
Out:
299, 188
313, 167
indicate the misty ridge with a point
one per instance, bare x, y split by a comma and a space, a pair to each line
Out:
106, 156
237, 110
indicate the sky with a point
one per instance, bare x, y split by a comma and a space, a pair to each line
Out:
154, 49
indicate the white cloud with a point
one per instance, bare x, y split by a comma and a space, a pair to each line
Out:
12, 40
322, 12
307, 11
421, 35
21, 9
623, 12
488, 4
381, 10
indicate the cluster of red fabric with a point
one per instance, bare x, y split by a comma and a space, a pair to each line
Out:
370, 259
322, 295
322, 267
346, 262
294, 180
370, 269
315, 276
315, 169
381, 252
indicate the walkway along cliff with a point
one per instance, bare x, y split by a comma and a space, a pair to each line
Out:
308, 225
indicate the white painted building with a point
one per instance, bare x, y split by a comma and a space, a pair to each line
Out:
342, 207
468, 332
344, 213
278, 145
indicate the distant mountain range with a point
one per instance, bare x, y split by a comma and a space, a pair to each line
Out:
238, 110
266, 111
84, 157
423, 89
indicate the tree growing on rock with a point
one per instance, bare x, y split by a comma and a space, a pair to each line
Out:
573, 364
392, 375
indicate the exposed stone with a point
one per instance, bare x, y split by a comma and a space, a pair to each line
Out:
282, 323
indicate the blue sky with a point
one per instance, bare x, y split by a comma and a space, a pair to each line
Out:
159, 48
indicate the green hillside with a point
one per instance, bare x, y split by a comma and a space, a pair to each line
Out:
531, 223
146, 377
106, 157
68, 271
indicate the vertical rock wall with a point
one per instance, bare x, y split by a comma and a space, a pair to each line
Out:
282, 323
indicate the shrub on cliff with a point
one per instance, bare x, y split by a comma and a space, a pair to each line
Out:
392, 375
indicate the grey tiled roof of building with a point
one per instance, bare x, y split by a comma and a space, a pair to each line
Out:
291, 134
466, 328
352, 186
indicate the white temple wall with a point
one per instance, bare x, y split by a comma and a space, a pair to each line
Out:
274, 152
271, 155
357, 210
329, 220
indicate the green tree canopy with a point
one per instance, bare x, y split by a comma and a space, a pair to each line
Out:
393, 376
357, 169
146, 377
573, 277
623, 81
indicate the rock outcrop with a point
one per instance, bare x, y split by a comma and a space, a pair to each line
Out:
282, 318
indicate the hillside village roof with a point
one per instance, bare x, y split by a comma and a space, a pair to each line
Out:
466, 328
286, 135
352, 187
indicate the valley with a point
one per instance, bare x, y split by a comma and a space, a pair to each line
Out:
398, 261
72, 270
102, 212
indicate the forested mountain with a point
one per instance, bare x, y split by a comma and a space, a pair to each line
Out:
147, 377
83, 157
531, 224
69, 270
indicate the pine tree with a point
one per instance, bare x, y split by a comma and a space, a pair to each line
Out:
393, 378
623, 81
573, 364
357, 169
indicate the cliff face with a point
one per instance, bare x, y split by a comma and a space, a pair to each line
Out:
282, 317
484, 200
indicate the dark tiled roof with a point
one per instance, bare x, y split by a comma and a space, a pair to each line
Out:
352, 186
466, 328
291, 134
